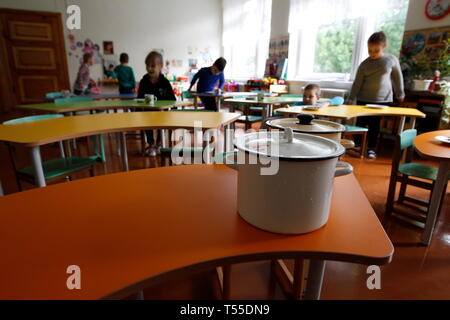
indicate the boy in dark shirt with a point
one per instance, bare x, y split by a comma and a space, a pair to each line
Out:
207, 80
155, 83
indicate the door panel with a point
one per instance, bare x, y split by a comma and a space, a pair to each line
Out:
20, 30
33, 88
35, 53
34, 58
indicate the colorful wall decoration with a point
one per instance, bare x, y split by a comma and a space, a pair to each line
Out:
424, 45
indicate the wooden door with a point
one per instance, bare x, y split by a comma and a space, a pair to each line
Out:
34, 52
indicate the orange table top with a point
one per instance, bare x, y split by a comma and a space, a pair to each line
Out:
35, 133
349, 112
429, 147
128, 230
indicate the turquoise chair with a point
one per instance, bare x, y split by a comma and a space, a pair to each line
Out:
229, 157
351, 131
407, 173
73, 99
53, 168
53, 95
99, 141
246, 118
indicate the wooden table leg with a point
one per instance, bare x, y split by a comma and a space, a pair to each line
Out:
292, 285
433, 212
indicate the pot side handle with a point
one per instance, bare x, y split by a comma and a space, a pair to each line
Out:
348, 144
346, 169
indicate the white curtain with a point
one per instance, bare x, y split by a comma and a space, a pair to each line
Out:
246, 36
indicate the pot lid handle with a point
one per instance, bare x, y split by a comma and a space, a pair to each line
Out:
305, 118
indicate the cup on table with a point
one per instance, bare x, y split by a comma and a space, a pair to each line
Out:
150, 98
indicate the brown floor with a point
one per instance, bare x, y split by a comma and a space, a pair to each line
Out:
416, 272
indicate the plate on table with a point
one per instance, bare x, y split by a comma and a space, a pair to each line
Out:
376, 106
443, 139
311, 107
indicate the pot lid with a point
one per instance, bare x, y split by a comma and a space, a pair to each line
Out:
304, 123
288, 145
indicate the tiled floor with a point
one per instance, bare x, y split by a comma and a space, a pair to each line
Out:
416, 272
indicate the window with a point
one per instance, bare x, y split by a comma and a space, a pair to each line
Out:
329, 37
246, 36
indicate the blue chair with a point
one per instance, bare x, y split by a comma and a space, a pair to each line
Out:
408, 173
53, 168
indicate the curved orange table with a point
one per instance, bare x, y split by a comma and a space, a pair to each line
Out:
428, 147
129, 230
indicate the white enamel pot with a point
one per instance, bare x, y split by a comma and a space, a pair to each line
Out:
296, 199
305, 123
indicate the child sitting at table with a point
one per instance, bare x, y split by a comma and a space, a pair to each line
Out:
312, 95
154, 83
207, 80
125, 75
84, 83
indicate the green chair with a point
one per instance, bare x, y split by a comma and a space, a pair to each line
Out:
407, 173
53, 168
351, 131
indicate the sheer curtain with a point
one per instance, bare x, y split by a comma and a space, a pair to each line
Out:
246, 36
308, 16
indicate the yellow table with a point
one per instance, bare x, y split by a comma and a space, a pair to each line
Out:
347, 112
37, 133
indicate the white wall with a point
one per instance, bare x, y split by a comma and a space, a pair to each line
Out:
138, 26
416, 18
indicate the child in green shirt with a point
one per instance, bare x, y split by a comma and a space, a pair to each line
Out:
125, 75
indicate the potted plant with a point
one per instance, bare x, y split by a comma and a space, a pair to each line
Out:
416, 73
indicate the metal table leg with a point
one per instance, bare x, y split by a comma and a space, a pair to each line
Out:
433, 212
315, 279
61, 149
401, 125
37, 166
218, 103
413, 122
123, 143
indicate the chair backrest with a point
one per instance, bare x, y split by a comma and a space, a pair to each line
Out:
407, 138
52, 95
34, 118
73, 99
